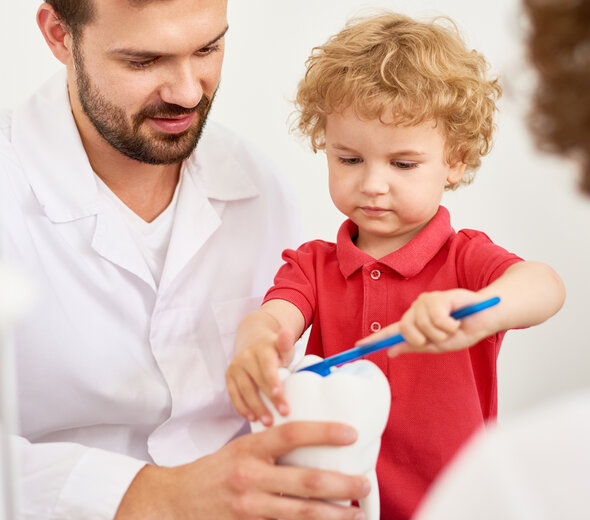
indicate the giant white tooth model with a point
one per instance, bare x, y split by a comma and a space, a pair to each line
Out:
356, 394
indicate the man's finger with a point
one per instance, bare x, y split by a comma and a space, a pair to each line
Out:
292, 508
282, 439
319, 484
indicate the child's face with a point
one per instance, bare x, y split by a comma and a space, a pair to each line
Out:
387, 179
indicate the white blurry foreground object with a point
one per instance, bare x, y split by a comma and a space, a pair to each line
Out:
535, 466
356, 394
16, 294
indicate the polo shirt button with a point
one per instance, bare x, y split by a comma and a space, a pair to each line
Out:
375, 274
375, 326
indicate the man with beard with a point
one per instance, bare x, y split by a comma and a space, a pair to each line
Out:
149, 238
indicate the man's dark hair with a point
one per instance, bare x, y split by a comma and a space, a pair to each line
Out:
77, 13
74, 13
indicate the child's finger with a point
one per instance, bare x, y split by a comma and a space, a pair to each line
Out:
249, 393
270, 382
429, 324
237, 401
397, 350
284, 346
385, 332
409, 329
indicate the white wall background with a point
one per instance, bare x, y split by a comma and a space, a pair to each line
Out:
525, 201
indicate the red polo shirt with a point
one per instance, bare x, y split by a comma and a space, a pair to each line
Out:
437, 401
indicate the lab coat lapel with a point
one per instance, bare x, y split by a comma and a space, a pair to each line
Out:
46, 139
210, 180
113, 240
57, 168
194, 222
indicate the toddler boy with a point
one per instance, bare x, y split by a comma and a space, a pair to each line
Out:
403, 110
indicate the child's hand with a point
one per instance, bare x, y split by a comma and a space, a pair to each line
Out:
427, 326
257, 367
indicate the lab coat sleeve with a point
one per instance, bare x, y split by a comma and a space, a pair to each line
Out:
70, 481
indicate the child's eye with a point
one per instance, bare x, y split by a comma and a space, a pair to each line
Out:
350, 160
404, 165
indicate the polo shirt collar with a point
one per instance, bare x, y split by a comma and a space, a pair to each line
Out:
409, 260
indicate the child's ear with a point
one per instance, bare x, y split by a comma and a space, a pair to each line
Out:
456, 172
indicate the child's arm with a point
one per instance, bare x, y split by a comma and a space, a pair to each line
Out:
264, 342
530, 293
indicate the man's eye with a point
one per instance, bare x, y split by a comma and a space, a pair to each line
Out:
208, 50
350, 160
142, 64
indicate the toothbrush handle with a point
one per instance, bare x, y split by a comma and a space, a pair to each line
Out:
323, 367
374, 346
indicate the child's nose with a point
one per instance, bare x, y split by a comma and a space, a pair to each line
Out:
374, 181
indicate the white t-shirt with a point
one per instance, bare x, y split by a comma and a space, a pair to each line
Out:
152, 238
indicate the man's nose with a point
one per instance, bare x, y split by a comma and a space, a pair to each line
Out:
183, 86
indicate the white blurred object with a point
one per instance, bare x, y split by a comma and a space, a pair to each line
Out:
356, 394
534, 467
15, 295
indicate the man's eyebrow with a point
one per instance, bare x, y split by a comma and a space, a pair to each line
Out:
137, 53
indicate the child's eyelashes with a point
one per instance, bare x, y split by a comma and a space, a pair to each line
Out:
350, 160
400, 165
404, 165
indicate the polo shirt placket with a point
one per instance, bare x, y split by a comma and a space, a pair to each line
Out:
375, 300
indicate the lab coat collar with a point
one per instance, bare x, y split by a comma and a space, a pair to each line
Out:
46, 139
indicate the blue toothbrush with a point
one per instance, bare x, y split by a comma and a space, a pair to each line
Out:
323, 368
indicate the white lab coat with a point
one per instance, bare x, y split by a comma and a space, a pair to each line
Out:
112, 370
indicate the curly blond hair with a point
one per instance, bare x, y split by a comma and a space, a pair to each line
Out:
559, 47
389, 65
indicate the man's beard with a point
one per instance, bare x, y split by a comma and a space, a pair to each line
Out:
112, 124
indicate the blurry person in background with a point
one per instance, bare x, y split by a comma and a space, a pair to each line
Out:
559, 48
537, 465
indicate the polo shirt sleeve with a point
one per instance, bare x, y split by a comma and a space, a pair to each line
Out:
295, 281
479, 261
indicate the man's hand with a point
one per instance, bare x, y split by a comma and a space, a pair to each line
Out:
242, 481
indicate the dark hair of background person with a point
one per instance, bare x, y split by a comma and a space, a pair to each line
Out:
559, 48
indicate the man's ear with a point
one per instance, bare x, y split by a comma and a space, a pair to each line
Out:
53, 29
456, 172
